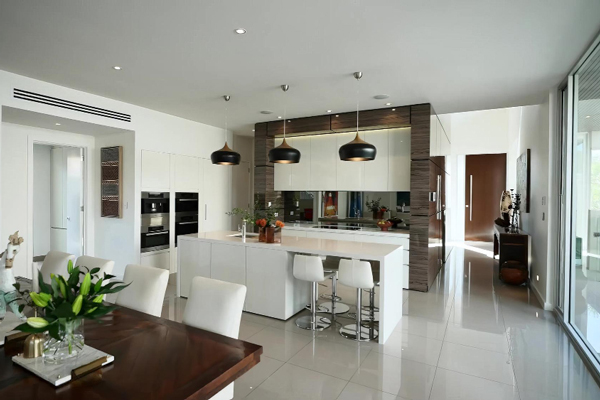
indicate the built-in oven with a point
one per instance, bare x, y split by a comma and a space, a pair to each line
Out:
155, 203
154, 232
186, 214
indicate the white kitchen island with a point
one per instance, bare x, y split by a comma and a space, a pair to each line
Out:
266, 270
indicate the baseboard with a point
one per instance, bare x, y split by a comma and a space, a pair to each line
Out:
538, 295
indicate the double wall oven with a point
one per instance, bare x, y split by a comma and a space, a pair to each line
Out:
155, 221
186, 214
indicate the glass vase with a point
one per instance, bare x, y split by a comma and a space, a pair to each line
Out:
272, 234
262, 237
70, 344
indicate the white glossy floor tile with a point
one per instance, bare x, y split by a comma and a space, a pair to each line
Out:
477, 338
412, 347
278, 343
248, 329
406, 378
257, 375
422, 327
473, 361
450, 385
352, 391
335, 359
295, 383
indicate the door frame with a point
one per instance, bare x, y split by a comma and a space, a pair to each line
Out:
86, 199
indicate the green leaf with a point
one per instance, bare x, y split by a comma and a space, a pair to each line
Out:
98, 299
17, 286
44, 296
77, 304
70, 267
28, 328
113, 288
44, 288
100, 311
85, 285
68, 293
108, 276
98, 285
55, 287
37, 322
73, 278
21, 308
64, 311
95, 270
53, 331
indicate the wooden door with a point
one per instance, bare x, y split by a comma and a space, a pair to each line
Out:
485, 179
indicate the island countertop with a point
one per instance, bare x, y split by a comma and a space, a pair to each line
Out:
340, 248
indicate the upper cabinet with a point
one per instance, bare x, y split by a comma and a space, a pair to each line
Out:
301, 171
377, 171
186, 177
217, 197
350, 174
283, 172
323, 162
156, 171
312, 125
399, 160
371, 119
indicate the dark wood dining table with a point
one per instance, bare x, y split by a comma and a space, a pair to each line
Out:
154, 359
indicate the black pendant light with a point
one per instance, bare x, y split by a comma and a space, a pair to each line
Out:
225, 156
284, 153
358, 149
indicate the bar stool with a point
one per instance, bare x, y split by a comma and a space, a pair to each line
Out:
370, 312
334, 306
357, 274
310, 269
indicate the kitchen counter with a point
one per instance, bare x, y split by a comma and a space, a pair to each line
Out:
266, 269
402, 232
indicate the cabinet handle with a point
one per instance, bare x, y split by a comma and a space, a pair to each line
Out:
186, 223
470, 197
157, 233
205, 211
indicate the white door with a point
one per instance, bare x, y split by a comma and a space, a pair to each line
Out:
186, 177
377, 171
74, 200
217, 196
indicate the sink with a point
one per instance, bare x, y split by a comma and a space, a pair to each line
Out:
249, 234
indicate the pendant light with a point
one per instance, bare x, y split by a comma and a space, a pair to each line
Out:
225, 156
358, 149
284, 153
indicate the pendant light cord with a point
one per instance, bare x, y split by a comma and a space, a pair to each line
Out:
357, 103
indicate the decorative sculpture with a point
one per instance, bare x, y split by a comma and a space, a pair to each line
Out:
506, 207
8, 293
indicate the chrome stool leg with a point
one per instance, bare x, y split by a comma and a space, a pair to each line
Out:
370, 313
356, 331
313, 322
334, 306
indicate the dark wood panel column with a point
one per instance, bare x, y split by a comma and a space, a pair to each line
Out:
264, 173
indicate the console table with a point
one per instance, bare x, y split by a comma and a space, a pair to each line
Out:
512, 246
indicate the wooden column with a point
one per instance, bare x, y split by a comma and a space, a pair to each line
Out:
264, 178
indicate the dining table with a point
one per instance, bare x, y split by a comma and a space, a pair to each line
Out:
155, 358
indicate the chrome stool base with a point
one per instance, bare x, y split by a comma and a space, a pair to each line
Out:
320, 309
340, 308
328, 296
365, 334
306, 322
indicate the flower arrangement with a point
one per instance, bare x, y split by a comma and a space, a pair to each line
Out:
375, 205
65, 303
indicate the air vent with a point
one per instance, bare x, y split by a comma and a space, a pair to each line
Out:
69, 105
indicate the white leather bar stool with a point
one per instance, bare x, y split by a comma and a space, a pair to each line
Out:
310, 269
357, 274
334, 306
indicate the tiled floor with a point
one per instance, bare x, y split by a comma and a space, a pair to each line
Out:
470, 337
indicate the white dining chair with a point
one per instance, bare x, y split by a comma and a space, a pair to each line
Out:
55, 262
216, 306
147, 290
106, 266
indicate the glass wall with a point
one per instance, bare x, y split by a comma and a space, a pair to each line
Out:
582, 232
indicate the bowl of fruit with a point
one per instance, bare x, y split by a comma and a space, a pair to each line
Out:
384, 225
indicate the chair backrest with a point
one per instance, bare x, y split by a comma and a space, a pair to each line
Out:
56, 263
356, 274
106, 266
147, 290
308, 268
215, 306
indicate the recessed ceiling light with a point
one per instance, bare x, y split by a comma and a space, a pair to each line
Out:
587, 116
57, 124
279, 117
381, 96
116, 67
337, 115
393, 109
252, 130
266, 112
388, 104
240, 31
329, 110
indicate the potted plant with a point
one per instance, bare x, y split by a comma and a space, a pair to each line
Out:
376, 207
64, 305
269, 227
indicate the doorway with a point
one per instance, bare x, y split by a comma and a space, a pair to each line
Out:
58, 212
485, 180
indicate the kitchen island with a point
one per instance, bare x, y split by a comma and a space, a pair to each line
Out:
266, 270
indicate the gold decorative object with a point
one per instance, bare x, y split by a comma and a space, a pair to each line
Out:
34, 345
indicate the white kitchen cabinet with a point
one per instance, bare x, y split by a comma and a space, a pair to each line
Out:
399, 160
323, 162
377, 171
186, 176
157, 259
301, 171
156, 171
281, 300
217, 197
228, 263
193, 260
282, 172
350, 175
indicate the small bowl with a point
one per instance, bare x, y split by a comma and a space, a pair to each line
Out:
384, 225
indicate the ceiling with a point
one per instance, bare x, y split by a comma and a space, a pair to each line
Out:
30, 118
180, 57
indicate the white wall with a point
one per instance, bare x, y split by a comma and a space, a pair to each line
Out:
109, 241
41, 199
16, 196
153, 131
